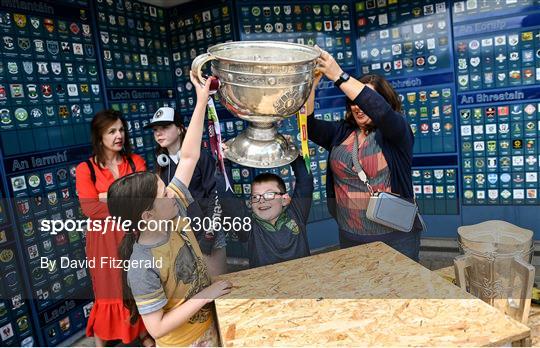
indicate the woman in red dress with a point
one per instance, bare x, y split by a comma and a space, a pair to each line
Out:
111, 159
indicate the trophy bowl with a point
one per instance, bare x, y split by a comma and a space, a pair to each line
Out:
262, 82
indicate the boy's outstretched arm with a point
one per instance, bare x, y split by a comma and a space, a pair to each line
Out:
303, 189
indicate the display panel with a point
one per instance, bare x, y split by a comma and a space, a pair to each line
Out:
408, 42
49, 79
497, 66
50, 88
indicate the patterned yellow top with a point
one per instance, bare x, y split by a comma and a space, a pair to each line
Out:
182, 275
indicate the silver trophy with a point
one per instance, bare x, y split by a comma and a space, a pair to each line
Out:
496, 265
262, 82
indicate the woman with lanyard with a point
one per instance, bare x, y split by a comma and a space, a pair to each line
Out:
374, 137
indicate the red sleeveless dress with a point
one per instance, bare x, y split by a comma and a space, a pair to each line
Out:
109, 319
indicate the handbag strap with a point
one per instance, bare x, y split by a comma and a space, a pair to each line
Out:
361, 174
357, 167
363, 177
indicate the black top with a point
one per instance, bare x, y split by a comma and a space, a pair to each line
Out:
393, 134
204, 191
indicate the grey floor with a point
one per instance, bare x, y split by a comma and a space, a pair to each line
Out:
432, 259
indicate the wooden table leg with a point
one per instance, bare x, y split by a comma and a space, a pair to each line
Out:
525, 342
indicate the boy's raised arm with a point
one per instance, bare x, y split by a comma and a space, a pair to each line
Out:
303, 188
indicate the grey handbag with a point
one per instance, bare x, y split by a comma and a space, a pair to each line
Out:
385, 208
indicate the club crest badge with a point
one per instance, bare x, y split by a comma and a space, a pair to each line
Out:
28, 229
49, 110
75, 110
35, 22
74, 28
108, 57
87, 109
24, 43
21, 114
86, 30
66, 195
20, 20
110, 74
66, 47
48, 24
72, 90
56, 68
92, 70
52, 198
63, 111
105, 37
89, 50
47, 246
62, 27
42, 68
23, 206
46, 91
53, 47
69, 69
60, 91
36, 114
9, 43
28, 67
5, 117
13, 68
16, 90
78, 49
32, 91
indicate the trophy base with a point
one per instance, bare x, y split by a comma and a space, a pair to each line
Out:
261, 146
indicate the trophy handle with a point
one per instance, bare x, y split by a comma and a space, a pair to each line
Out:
319, 56
461, 263
198, 63
526, 271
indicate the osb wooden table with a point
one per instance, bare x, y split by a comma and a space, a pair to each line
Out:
534, 314
366, 295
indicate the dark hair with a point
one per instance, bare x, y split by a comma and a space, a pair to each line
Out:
128, 197
101, 121
383, 88
162, 150
269, 177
